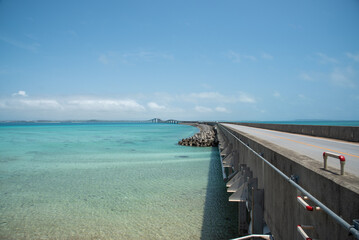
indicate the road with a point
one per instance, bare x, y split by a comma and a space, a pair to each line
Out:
312, 147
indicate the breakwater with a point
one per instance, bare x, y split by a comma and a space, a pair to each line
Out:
207, 137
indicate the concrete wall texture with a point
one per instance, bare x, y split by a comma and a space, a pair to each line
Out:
337, 132
282, 212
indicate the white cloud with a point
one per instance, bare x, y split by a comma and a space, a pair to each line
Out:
206, 95
355, 57
221, 109
139, 106
343, 77
155, 106
324, 59
103, 59
72, 33
267, 56
28, 104
236, 57
73, 104
276, 94
252, 58
20, 93
202, 109
302, 96
246, 98
32, 47
41, 104
104, 104
209, 97
306, 77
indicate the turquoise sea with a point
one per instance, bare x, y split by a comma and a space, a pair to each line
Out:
110, 181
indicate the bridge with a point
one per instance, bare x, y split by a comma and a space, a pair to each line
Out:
281, 186
171, 121
309, 146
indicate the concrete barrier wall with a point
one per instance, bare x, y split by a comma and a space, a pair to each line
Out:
282, 212
337, 132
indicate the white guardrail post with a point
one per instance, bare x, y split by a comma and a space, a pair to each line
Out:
334, 155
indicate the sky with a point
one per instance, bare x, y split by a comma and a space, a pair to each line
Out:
233, 60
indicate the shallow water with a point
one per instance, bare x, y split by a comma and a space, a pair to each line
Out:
110, 181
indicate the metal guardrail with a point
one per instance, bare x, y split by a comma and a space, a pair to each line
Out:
350, 228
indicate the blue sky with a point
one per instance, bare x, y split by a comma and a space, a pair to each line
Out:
187, 60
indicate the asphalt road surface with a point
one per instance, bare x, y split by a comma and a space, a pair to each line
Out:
312, 147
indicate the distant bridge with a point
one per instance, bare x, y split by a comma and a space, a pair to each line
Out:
171, 121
